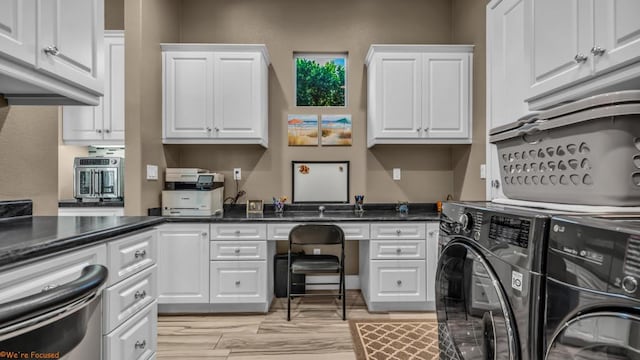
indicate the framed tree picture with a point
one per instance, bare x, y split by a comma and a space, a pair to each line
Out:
321, 79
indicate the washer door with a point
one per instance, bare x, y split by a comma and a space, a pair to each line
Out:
602, 336
473, 315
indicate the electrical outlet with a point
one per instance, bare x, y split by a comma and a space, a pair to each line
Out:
316, 251
237, 174
483, 171
396, 174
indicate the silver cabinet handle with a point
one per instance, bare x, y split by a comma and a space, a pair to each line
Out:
140, 253
237, 282
419, 129
140, 344
140, 294
580, 58
237, 232
237, 251
399, 282
426, 129
204, 233
398, 250
107, 131
431, 233
398, 231
49, 287
217, 129
597, 51
99, 131
208, 129
52, 50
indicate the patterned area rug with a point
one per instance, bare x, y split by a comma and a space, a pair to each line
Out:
395, 339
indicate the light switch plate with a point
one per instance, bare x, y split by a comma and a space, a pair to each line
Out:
396, 174
152, 172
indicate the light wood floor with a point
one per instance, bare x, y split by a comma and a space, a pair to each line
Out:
315, 332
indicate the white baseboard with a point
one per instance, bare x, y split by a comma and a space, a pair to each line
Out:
352, 282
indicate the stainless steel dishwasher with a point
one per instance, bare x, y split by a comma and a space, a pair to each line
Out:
60, 323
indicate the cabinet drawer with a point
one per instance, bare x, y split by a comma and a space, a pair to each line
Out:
34, 278
136, 338
279, 231
239, 250
406, 230
397, 249
355, 231
131, 254
352, 231
398, 280
239, 232
238, 281
127, 297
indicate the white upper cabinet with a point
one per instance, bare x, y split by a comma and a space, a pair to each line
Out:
18, 30
419, 94
580, 48
507, 76
102, 124
215, 94
618, 33
51, 51
70, 34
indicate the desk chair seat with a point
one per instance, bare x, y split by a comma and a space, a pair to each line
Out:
316, 234
309, 264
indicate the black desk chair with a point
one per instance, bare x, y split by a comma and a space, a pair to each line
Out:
316, 234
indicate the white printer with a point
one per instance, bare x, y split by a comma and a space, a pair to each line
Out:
192, 192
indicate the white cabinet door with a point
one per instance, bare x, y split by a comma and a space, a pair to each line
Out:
617, 33
71, 32
113, 120
136, 339
432, 256
18, 30
558, 32
183, 264
507, 74
238, 282
82, 124
398, 87
398, 280
446, 95
237, 101
188, 94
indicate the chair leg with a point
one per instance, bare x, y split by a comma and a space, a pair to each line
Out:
344, 296
340, 287
289, 293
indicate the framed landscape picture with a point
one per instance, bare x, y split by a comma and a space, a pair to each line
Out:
302, 130
336, 130
321, 79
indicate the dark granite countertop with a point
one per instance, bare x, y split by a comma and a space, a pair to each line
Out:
24, 238
310, 213
73, 203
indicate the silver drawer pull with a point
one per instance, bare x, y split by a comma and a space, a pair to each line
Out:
399, 282
398, 231
580, 58
237, 251
140, 253
49, 287
431, 233
237, 282
140, 344
597, 51
398, 250
52, 50
204, 233
238, 232
140, 294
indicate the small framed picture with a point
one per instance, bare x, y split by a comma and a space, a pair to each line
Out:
254, 207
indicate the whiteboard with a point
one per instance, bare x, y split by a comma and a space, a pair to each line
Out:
320, 182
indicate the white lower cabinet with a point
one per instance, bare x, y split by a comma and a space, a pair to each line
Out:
136, 339
398, 280
183, 264
238, 282
130, 312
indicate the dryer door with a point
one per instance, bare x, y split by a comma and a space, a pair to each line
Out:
473, 314
602, 336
